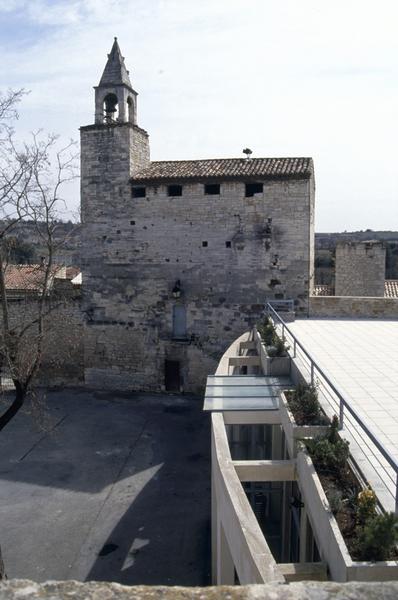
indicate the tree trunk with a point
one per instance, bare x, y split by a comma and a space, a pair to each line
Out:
20, 395
2, 570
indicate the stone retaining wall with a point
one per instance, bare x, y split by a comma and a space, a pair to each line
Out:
353, 307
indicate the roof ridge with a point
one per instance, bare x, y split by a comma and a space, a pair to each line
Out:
248, 160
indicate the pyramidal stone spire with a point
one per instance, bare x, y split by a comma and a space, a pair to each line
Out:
115, 72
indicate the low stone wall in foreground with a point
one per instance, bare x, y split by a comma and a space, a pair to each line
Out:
69, 590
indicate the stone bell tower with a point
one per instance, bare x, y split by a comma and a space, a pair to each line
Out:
113, 149
115, 99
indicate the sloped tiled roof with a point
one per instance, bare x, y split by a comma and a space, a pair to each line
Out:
28, 278
224, 169
391, 288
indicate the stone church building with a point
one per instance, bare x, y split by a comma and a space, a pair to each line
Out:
180, 257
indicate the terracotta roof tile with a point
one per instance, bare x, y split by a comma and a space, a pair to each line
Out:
26, 277
391, 288
323, 290
224, 169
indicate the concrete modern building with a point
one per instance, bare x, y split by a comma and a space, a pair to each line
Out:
271, 518
179, 257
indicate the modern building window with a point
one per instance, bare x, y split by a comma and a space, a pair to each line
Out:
138, 192
179, 321
174, 190
212, 189
253, 188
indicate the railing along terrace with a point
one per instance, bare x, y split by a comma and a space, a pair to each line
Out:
370, 453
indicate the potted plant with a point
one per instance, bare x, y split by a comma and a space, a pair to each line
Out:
301, 415
272, 349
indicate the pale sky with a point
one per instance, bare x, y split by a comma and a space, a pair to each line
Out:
284, 77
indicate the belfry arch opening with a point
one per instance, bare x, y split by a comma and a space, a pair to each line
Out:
130, 109
111, 108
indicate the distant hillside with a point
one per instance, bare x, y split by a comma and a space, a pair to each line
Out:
27, 245
325, 246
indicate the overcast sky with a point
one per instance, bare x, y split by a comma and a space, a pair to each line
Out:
284, 77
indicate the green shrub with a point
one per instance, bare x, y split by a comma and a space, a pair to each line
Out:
267, 331
366, 506
278, 347
305, 405
378, 537
333, 436
327, 456
336, 501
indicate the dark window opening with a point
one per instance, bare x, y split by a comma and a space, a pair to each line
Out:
174, 190
118, 231
253, 188
213, 189
138, 192
204, 244
227, 244
132, 222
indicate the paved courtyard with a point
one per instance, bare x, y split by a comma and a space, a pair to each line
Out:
117, 488
361, 357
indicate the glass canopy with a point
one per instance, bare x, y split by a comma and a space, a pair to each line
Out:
243, 392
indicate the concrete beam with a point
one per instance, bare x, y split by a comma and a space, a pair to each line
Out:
304, 572
265, 470
243, 361
252, 417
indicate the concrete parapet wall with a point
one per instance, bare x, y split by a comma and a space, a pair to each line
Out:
62, 590
353, 306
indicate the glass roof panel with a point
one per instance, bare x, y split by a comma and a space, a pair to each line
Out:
243, 392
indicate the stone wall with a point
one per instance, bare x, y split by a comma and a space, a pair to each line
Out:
353, 307
231, 254
310, 590
62, 362
360, 268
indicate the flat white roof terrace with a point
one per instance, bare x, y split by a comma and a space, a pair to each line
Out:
361, 358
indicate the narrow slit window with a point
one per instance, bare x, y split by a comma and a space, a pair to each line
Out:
174, 190
179, 321
138, 192
253, 188
212, 189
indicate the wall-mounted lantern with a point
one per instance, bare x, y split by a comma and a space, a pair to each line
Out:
177, 291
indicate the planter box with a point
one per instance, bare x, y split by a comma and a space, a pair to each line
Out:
294, 432
272, 366
331, 544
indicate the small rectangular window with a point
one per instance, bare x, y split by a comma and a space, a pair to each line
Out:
204, 244
138, 192
179, 321
212, 189
253, 188
227, 244
174, 190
